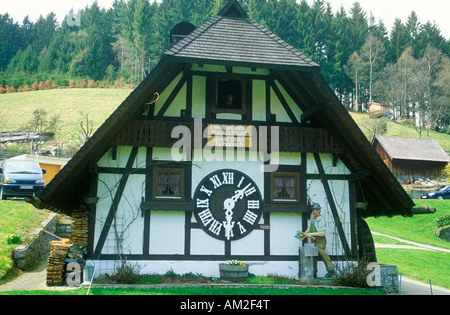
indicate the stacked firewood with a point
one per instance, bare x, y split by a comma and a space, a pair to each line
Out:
80, 230
66, 251
56, 268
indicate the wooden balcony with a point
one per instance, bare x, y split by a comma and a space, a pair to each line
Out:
291, 139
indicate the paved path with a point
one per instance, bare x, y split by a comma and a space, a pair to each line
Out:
413, 245
31, 280
414, 287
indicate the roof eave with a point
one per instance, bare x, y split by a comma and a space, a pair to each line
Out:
232, 63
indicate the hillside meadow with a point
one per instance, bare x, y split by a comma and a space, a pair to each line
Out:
398, 129
16, 109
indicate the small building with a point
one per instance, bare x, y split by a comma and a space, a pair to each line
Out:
219, 154
377, 110
411, 158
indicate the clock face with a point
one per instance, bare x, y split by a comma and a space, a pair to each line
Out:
227, 204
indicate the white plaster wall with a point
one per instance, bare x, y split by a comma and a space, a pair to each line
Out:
178, 103
166, 93
283, 227
327, 162
128, 216
122, 155
167, 232
203, 244
292, 105
252, 244
259, 100
198, 96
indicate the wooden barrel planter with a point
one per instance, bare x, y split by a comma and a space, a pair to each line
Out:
233, 273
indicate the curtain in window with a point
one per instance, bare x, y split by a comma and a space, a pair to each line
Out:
175, 184
278, 186
290, 186
163, 180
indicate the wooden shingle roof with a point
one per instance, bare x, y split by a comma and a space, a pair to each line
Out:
232, 37
414, 149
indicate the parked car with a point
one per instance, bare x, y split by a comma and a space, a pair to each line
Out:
443, 193
21, 178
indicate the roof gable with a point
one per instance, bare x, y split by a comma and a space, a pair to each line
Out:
233, 8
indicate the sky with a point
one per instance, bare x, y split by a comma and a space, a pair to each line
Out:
427, 10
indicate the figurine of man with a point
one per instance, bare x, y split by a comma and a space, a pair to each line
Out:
229, 101
316, 232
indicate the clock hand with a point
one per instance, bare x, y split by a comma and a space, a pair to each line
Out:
228, 205
239, 194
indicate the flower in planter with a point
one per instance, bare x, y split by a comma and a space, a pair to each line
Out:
13, 239
234, 262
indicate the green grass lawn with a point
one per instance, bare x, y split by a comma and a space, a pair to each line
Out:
418, 264
192, 290
419, 228
20, 218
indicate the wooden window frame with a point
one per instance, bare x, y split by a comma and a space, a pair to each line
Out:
218, 93
296, 176
156, 172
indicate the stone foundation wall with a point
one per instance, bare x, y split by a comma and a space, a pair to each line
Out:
26, 255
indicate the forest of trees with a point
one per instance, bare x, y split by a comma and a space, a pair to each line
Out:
407, 67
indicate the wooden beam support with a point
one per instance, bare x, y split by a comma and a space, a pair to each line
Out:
311, 112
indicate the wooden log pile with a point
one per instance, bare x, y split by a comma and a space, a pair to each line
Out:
68, 250
80, 230
56, 268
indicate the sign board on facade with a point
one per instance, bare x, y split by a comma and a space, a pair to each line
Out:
231, 136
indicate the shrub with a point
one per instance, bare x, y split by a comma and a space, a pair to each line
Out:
447, 171
127, 273
353, 274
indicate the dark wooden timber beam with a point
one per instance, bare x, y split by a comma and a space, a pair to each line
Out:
311, 112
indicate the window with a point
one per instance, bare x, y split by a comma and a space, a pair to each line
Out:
168, 184
285, 187
230, 95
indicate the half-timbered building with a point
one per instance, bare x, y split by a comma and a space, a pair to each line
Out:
219, 154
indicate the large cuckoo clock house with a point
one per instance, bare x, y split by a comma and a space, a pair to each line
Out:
219, 154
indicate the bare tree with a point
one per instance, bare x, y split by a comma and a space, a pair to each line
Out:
40, 124
86, 125
372, 54
355, 69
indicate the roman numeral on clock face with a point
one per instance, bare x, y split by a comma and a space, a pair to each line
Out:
250, 217
202, 203
216, 181
253, 204
207, 218
228, 178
